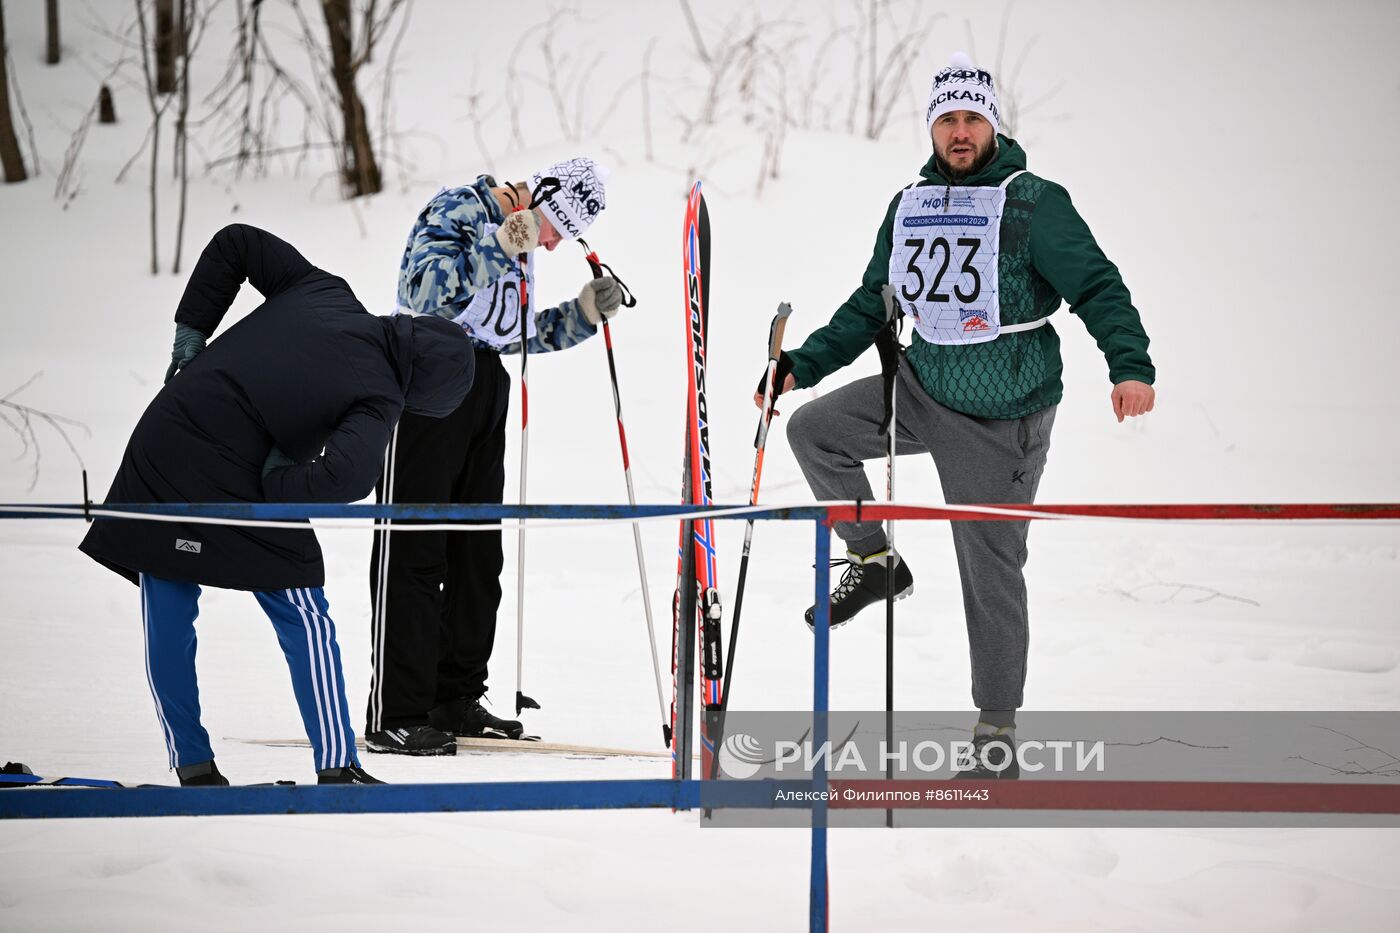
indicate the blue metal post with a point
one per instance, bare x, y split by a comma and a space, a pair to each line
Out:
821, 677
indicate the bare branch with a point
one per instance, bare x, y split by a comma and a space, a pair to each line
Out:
387, 113
695, 33
23, 426
157, 110
646, 97
1354, 768
1197, 593
513, 100
24, 119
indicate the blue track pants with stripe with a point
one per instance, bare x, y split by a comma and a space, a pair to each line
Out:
302, 620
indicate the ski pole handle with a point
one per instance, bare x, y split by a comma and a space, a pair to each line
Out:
601, 269
770, 394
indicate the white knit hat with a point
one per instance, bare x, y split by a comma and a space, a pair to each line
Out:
580, 198
963, 86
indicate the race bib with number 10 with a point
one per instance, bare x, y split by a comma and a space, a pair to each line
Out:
493, 314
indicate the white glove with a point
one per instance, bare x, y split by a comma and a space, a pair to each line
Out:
600, 299
519, 233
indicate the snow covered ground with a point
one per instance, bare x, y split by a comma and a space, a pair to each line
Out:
1232, 159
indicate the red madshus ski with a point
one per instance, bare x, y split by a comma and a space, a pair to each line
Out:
697, 606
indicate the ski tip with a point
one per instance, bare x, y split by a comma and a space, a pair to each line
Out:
784, 309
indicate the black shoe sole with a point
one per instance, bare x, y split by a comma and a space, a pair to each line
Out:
908, 591
414, 752
485, 732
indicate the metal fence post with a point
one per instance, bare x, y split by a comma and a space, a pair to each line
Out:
821, 671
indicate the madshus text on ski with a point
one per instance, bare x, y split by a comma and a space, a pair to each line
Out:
311, 398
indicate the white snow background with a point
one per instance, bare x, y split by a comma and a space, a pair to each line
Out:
1235, 160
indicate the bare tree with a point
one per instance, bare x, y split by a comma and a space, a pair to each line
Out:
700, 49
103, 111
513, 99
874, 62
10, 158
157, 108
51, 31
66, 188
478, 121
645, 82
748, 66
247, 102
388, 135
181, 157
818, 68
107, 111
889, 68
165, 46
1010, 94
193, 18
358, 166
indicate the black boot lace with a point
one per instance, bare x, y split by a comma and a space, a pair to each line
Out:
850, 580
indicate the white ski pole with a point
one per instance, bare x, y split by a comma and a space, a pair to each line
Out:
546, 188
629, 301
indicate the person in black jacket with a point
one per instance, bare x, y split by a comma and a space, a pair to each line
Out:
295, 403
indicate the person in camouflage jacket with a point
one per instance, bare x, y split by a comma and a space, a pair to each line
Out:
978, 253
469, 259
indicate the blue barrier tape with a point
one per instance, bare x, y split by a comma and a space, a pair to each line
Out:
92, 803
263, 511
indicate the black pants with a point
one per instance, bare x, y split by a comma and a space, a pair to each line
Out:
435, 593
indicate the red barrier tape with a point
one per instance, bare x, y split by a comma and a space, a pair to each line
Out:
1195, 796
871, 512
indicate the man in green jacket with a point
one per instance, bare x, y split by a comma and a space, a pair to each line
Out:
978, 253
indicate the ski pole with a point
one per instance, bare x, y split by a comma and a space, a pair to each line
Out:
628, 301
770, 394
887, 345
545, 189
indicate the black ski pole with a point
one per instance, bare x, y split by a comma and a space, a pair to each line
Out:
887, 345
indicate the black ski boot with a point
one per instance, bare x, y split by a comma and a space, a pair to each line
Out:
997, 748
467, 717
350, 774
863, 584
204, 774
410, 740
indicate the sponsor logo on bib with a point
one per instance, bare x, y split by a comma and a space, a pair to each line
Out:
973, 322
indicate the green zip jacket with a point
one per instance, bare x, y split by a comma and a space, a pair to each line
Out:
1047, 256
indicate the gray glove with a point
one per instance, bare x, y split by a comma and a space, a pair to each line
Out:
600, 299
275, 459
188, 343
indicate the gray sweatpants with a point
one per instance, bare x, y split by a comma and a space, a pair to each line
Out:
979, 461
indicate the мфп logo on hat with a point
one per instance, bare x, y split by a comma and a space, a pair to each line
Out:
963, 74
189, 547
